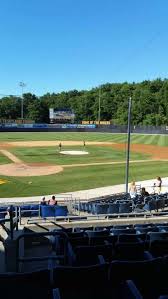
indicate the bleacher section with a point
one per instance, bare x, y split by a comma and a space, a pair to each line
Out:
85, 250
124, 204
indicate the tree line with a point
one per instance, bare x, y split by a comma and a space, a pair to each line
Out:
149, 103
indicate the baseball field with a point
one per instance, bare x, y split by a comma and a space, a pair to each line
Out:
33, 163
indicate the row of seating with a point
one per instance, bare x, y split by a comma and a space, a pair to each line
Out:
110, 280
103, 208
85, 246
67, 283
36, 210
104, 261
120, 207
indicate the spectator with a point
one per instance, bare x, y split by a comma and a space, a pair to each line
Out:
157, 185
132, 190
52, 201
144, 192
43, 202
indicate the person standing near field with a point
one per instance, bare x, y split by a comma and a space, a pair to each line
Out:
84, 143
133, 190
157, 185
60, 146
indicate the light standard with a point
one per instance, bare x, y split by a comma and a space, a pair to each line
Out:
99, 105
128, 143
22, 85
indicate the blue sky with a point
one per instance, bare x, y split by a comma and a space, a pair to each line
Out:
56, 45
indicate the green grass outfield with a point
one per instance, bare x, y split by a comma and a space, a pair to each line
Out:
161, 140
78, 178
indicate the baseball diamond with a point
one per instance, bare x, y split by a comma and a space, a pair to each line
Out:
37, 156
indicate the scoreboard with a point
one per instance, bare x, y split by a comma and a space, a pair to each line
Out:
61, 116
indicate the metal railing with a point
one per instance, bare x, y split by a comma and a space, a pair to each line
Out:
24, 236
13, 219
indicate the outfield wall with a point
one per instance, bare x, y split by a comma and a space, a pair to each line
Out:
81, 128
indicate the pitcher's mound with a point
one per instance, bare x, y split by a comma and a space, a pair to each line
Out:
38, 169
74, 153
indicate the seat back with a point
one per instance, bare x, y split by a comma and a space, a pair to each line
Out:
163, 228
145, 275
101, 208
113, 208
26, 285
86, 255
3, 212
159, 248
128, 238
47, 211
80, 277
122, 231
61, 211
95, 234
152, 205
125, 208
153, 236
130, 250
160, 203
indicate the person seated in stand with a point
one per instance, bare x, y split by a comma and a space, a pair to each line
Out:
43, 202
144, 192
144, 195
52, 201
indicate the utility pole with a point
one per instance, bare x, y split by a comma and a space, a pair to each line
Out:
128, 145
99, 105
22, 85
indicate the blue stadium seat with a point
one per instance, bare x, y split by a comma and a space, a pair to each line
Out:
145, 275
3, 212
81, 282
113, 208
25, 210
125, 208
47, 211
131, 251
123, 231
26, 285
53, 211
61, 211
35, 210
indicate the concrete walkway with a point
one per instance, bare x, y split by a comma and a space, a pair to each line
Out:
88, 194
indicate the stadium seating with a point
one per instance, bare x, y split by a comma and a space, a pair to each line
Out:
126, 261
53, 211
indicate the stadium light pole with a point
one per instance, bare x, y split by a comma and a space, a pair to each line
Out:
99, 105
128, 144
22, 85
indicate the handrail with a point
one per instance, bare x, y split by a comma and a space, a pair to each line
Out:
42, 234
97, 216
13, 221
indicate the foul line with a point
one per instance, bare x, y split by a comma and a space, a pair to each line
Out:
111, 163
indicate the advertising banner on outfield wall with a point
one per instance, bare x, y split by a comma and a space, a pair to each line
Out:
27, 126
40, 126
78, 126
